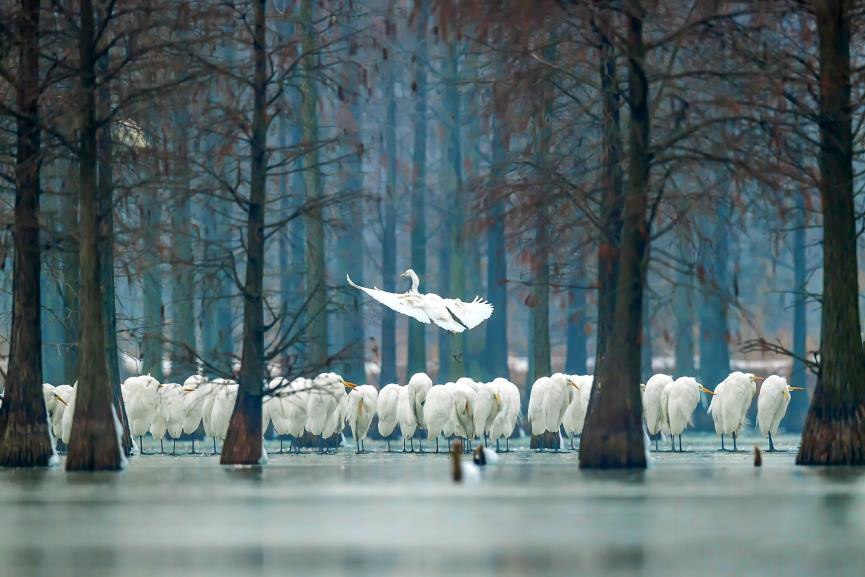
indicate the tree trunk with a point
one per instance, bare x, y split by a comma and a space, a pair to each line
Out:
243, 443
612, 200
94, 442
457, 202
613, 433
576, 359
24, 437
153, 313
646, 340
416, 330
835, 426
316, 280
106, 246
714, 332
683, 312
70, 270
444, 257
388, 272
496, 328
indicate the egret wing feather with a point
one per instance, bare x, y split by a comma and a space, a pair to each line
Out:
470, 314
407, 304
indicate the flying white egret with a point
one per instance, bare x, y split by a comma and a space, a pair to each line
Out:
652, 406
772, 405
506, 420
406, 417
386, 408
739, 390
361, 409
679, 399
452, 315
437, 412
324, 406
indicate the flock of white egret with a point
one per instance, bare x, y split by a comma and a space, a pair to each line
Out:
464, 409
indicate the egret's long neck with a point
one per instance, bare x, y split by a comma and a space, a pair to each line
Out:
415, 281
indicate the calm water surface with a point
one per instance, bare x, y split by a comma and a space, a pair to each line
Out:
697, 513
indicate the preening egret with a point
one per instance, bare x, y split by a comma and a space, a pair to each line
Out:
140, 397
64, 395
452, 315
223, 407
437, 412
361, 409
575, 413
68, 415
270, 406
196, 393
386, 408
171, 403
548, 402
772, 405
506, 420
462, 417
293, 415
488, 404
418, 386
324, 406
679, 399
716, 412
406, 416
652, 404
739, 391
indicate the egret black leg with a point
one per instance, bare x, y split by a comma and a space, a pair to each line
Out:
437, 444
507, 444
680, 443
357, 443
657, 438
411, 441
771, 444
734, 442
722, 442
497, 445
174, 447
161, 447
403, 446
388, 444
673, 441
141, 444
214, 445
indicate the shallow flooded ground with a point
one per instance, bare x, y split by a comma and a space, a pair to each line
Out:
701, 512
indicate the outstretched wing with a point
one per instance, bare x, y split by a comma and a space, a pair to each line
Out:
470, 314
407, 304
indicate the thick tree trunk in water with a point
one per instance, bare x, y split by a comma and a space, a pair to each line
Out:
799, 376
316, 281
153, 312
70, 267
646, 340
613, 433
683, 312
94, 442
106, 248
576, 358
496, 354
714, 332
24, 437
388, 272
416, 330
835, 426
243, 443
612, 186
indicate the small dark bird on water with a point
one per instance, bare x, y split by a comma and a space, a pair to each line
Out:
758, 457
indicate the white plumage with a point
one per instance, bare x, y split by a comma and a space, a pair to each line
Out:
487, 407
386, 408
653, 408
575, 413
506, 419
324, 406
360, 411
772, 405
462, 417
437, 412
716, 412
406, 416
418, 386
679, 399
173, 407
452, 315
64, 395
223, 407
739, 389
68, 415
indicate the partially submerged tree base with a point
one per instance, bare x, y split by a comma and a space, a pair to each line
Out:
243, 445
612, 450
546, 441
95, 445
24, 443
836, 437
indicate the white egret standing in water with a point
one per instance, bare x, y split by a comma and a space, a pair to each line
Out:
386, 407
679, 399
772, 405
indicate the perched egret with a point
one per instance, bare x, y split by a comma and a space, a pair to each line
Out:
223, 407
452, 315
386, 408
293, 415
196, 394
406, 417
652, 404
324, 406
171, 403
361, 409
462, 417
575, 413
488, 404
216, 385
140, 397
418, 386
772, 405
548, 402
68, 415
506, 419
739, 390
64, 395
271, 407
437, 412
679, 399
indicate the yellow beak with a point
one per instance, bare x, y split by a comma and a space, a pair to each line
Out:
348, 384
705, 390
61, 400
188, 390
796, 388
